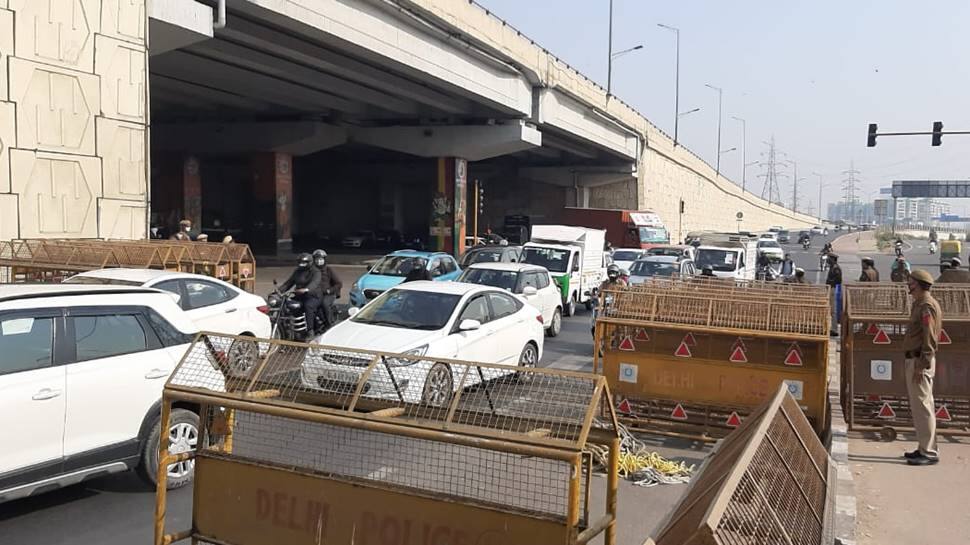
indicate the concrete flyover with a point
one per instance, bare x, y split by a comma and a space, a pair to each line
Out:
311, 118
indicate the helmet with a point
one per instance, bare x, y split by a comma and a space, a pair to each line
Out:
799, 271
613, 270
868, 260
319, 257
304, 261
922, 276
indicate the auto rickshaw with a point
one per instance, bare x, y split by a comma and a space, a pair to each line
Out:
948, 250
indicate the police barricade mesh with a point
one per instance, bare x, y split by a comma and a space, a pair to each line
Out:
770, 482
873, 380
56, 260
683, 356
394, 444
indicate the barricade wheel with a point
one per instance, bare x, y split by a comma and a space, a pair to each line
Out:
888, 434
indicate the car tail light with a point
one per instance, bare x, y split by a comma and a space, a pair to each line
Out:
263, 308
539, 318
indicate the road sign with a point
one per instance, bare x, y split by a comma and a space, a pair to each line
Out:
740, 215
952, 189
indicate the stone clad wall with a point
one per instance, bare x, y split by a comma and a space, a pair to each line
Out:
73, 119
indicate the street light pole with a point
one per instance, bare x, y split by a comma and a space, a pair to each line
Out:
609, 65
744, 148
676, 81
720, 92
819, 196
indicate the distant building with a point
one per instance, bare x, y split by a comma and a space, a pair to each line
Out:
852, 212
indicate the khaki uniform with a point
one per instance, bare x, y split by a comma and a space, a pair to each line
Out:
920, 343
870, 275
954, 276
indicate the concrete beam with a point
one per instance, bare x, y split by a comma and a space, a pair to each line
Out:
296, 138
173, 24
570, 116
471, 142
584, 177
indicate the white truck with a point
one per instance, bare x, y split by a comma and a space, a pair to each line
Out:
574, 256
729, 255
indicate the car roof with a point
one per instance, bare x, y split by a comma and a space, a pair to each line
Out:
660, 258
673, 246
134, 275
454, 288
417, 253
9, 292
629, 250
514, 267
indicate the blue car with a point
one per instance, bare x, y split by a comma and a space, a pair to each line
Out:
392, 268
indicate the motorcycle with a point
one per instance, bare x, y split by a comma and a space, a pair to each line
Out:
806, 244
288, 317
932, 247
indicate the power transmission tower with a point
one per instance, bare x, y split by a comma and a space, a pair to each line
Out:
795, 180
769, 189
849, 187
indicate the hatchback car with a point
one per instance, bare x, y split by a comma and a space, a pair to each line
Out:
391, 270
81, 381
491, 254
681, 251
660, 265
530, 283
453, 320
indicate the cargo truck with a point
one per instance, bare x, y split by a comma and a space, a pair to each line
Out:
574, 257
728, 255
624, 228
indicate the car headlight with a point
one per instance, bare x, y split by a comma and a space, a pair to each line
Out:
355, 287
414, 352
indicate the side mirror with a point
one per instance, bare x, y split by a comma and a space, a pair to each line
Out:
274, 282
353, 311
469, 325
529, 291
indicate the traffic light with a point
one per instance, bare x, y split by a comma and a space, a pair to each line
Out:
937, 133
872, 135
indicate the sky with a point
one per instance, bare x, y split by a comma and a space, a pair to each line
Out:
811, 74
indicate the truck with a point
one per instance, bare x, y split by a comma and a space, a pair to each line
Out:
624, 228
728, 255
574, 256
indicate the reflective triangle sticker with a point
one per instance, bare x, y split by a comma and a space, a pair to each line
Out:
734, 420
678, 413
881, 338
873, 397
872, 329
624, 407
689, 340
886, 412
739, 343
943, 414
945, 337
738, 356
641, 335
683, 351
794, 358
627, 344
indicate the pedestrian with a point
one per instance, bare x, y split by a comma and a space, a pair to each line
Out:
834, 280
869, 272
920, 344
953, 274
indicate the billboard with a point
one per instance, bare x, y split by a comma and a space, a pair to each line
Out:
939, 189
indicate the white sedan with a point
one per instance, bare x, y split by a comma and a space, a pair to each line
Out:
213, 305
530, 283
427, 319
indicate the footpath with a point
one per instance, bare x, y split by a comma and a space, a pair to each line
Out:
897, 503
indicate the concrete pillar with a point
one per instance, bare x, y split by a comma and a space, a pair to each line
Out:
73, 119
273, 190
448, 206
191, 185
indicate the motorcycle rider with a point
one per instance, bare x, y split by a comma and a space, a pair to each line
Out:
305, 280
900, 270
613, 280
798, 278
869, 272
899, 246
330, 288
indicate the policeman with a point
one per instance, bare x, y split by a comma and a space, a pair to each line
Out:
306, 279
613, 280
330, 286
869, 272
954, 274
920, 344
834, 279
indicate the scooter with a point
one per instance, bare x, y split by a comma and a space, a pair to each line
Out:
806, 244
932, 247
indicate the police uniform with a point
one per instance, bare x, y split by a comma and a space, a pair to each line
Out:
870, 274
920, 344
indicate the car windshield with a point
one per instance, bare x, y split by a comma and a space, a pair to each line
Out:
717, 260
555, 260
490, 255
394, 265
94, 280
783, 233
626, 255
653, 235
654, 268
505, 280
665, 251
409, 309
768, 244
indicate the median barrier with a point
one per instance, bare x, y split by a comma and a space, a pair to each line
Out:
695, 357
872, 372
308, 444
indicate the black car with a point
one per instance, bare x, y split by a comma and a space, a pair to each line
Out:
491, 254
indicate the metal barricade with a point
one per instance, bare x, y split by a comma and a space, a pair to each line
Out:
769, 483
307, 444
873, 384
683, 356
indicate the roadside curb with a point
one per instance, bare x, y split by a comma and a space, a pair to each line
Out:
845, 496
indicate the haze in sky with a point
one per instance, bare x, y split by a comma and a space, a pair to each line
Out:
813, 74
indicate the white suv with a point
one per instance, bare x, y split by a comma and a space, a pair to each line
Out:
82, 370
530, 283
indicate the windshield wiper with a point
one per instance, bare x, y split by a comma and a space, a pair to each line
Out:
382, 322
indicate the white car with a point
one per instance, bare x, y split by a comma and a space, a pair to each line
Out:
437, 319
819, 230
771, 249
661, 265
530, 283
358, 239
81, 381
768, 236
624, 257
212, 304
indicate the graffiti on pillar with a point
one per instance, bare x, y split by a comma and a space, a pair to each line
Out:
441, 210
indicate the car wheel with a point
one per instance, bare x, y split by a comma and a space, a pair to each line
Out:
556, 326
183, 436
528, 359
570, 309
438, 386
242, 357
